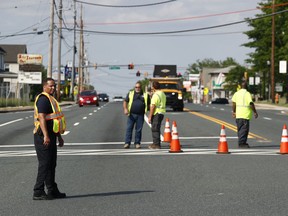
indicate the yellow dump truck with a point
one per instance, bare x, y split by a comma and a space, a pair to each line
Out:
170, 84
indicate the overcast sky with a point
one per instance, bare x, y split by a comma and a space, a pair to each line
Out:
181, 49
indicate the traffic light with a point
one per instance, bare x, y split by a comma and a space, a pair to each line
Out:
131, 66
138, 73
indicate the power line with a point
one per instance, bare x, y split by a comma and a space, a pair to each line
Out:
160, 33
125, 6
186, 30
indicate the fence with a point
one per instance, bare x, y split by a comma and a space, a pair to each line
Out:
14, 95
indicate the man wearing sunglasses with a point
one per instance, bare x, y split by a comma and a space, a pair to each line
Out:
135, 106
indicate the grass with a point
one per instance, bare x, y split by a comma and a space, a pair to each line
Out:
282, 102
13, 102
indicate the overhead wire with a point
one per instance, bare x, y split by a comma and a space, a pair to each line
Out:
125, 6
186, 30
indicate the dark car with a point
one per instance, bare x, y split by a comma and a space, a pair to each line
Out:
220, 101
103, 97
88, 97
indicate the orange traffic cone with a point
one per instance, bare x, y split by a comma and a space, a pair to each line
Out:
175, 146
167, 132
284, 141
223, 145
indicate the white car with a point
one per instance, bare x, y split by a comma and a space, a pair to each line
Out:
118, 98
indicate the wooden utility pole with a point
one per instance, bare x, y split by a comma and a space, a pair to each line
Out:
51, 30
273, 54
59, 50
81, 54
74, 52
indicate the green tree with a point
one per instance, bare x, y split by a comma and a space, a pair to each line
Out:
261, 41
196, 68
234, 78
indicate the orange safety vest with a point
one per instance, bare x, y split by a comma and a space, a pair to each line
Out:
59, 124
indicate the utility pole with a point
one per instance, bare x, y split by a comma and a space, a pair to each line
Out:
51, 30
59, 50
81, 52
273, 54
74, 52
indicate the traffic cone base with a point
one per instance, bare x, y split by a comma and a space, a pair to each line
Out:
223, 145
175, 146
284, 141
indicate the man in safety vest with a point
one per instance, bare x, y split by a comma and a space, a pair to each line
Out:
49, 124
242, 107
135, 106
156, 114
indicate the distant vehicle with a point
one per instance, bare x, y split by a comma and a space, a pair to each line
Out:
118, 98
219, 101
88, 97
171, 84
103, 97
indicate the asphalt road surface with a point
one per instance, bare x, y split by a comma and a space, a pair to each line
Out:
101, 178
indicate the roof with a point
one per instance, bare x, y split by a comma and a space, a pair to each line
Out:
2, 51
222, 70
12, 50
8, 75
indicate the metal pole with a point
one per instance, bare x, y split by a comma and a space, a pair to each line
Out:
51, 29
59, 50
74, 52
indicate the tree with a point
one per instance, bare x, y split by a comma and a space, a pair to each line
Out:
234, 78
196, 68
261, 41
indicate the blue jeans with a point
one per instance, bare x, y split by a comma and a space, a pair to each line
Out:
138, 120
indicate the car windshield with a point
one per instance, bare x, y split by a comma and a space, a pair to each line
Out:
168, 86
88, 93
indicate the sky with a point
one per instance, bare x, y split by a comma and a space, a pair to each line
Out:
107, 17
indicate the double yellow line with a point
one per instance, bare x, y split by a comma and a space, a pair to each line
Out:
226, 124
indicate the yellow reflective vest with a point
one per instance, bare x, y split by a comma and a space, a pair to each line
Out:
59, 124
131, 96
159, 100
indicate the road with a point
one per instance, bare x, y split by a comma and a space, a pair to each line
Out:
102, 178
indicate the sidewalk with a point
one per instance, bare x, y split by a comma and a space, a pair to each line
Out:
29, 108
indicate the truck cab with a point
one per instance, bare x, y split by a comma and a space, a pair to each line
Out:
170, 84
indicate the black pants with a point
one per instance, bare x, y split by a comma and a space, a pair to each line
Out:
243, 130
47, 157
156, 126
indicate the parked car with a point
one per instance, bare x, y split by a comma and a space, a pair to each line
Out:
103, 97
118, 98
219, 101
88, 97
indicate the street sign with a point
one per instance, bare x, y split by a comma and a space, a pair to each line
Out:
29, 59
114, 67
283, 67
30, 77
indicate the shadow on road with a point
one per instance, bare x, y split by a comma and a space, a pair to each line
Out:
109, 194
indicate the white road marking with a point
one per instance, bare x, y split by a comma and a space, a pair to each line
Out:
85, 117
134, 152
77, 123
10, 122
267, 118
90, 114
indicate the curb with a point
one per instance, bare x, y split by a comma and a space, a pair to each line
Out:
27, 108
